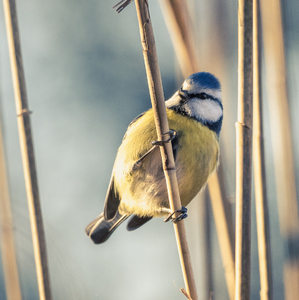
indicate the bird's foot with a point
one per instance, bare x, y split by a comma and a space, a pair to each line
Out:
172, 134
180, 217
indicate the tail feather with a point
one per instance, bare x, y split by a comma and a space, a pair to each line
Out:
100, 229
91, 225
135, 222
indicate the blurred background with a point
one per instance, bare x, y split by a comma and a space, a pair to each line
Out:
86, 81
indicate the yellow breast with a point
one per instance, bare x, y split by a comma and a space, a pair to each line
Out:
197, 155
143, 191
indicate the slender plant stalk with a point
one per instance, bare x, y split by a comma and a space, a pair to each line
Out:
38, 236
262, 217
9, 260
244, 151
185, 51
177, 20
208, 246
281, 141
161, 121
224, 227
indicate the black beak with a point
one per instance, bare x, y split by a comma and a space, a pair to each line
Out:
183, 94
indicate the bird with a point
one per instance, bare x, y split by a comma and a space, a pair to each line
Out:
137, 187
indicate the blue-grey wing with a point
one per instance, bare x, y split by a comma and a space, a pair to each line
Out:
112, 200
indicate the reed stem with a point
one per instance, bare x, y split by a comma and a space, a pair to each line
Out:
177, 16
161, 121
262, 217
27, 151
276, 78
9, 260
244, 151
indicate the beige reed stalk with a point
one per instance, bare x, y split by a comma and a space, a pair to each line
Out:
177, 20
23, 114
9, 260
262, 217
207, 246
281, 141
161, 121
244, 151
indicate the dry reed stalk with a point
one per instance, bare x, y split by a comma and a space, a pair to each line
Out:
175, 13
281, 141
161, 121
177, 20
9, 260
262, 217
244, 151
224, 227
208, 265
27, 151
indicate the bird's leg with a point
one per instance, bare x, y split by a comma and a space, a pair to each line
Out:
172, 134
182, 214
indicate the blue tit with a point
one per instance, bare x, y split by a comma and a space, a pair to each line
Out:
137, 187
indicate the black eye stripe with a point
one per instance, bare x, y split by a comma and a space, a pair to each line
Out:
202, 96
185, 96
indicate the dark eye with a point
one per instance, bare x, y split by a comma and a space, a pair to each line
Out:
202, 96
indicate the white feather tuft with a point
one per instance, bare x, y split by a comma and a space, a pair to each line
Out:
207, 110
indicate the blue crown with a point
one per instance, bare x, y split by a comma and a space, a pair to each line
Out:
205, 80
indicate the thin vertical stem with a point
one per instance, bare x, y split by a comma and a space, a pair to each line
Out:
208, 247
9, 260
185, 51
224, 226
177, 17
161, 121
281, 141
244, 151
27, 151
259, 165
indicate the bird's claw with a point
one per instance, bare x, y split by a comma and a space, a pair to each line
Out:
172, 134
182, 216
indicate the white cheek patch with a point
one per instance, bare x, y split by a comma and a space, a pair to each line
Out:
207, 110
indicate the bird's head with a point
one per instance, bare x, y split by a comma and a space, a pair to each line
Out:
199, 98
